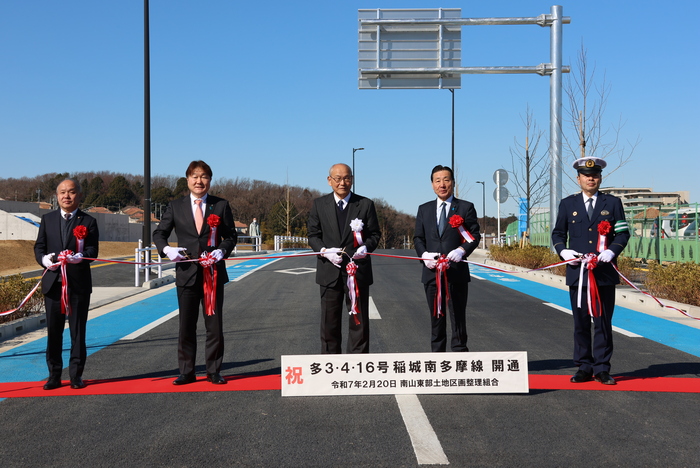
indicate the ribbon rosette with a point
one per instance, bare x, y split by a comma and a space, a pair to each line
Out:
604, 229
456, 221
65, 298
213, 221
208, 261
80, 233
595, 308
356, 225
441, 275
353, 291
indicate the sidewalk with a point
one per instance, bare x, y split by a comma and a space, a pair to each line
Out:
625, 295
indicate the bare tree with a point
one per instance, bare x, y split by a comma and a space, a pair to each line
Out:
590, 135
530, 169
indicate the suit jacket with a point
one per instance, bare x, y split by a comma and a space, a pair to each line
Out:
324, 232
49, 241
179, 216
427, 239
573, 225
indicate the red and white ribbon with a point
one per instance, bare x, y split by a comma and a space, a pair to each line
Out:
80, 232
466, 234
604, 229
208, 263
441, 276
65, 295
456, 221
594, 305
26, 298
353, 291
653, 297
602, 242
356, 226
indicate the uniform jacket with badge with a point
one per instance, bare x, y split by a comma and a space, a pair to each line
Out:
49, 240
573, 230
427, 239
324, 232
179, 216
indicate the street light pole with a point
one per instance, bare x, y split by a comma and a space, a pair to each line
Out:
353, 167
483, 212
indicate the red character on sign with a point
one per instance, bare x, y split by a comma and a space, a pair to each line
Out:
293, 375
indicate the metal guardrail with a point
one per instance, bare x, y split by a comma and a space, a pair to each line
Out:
255, 243
145, 255
282, 242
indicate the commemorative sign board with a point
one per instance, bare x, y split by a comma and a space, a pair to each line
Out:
404, 373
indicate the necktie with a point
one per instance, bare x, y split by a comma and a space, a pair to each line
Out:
198, 215
342, 216
66, 228
590, 208
443, 219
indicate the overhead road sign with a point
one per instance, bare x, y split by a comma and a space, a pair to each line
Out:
421, 49
414, 41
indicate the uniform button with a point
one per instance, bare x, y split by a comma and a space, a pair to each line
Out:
590, 242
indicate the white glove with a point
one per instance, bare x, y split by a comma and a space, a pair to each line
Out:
173, 253
75, 258
456, 255
606, 256
218, 254
47, 261
333, 254
429, 259
568, 254
361, 252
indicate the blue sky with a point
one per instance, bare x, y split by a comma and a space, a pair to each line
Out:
268, 91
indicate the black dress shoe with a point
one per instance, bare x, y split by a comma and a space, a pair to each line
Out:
184, 379
53, 382
604, 378
216, 379
581, 376
77, 383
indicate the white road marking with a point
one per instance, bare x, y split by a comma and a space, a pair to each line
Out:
373, 312
558, 307
477, 277
424, 440
151, 326
254, 270
622, 331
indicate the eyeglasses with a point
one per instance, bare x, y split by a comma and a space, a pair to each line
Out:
203, 178
341, 179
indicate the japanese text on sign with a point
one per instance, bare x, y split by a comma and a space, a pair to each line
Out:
376, 374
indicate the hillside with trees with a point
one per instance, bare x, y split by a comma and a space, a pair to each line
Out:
280, 209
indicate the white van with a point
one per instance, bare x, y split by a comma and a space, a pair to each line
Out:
675, 223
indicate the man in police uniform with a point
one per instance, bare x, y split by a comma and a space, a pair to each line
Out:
578, 222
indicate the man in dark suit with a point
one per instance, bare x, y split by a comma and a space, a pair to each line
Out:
578, 222
56, 235
330, 232
190, 218
434, 236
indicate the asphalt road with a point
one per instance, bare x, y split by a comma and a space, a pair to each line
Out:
275, 311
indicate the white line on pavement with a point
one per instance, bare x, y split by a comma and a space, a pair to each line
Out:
373, 312
256, 269
424, 440
151, 326
617, 329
